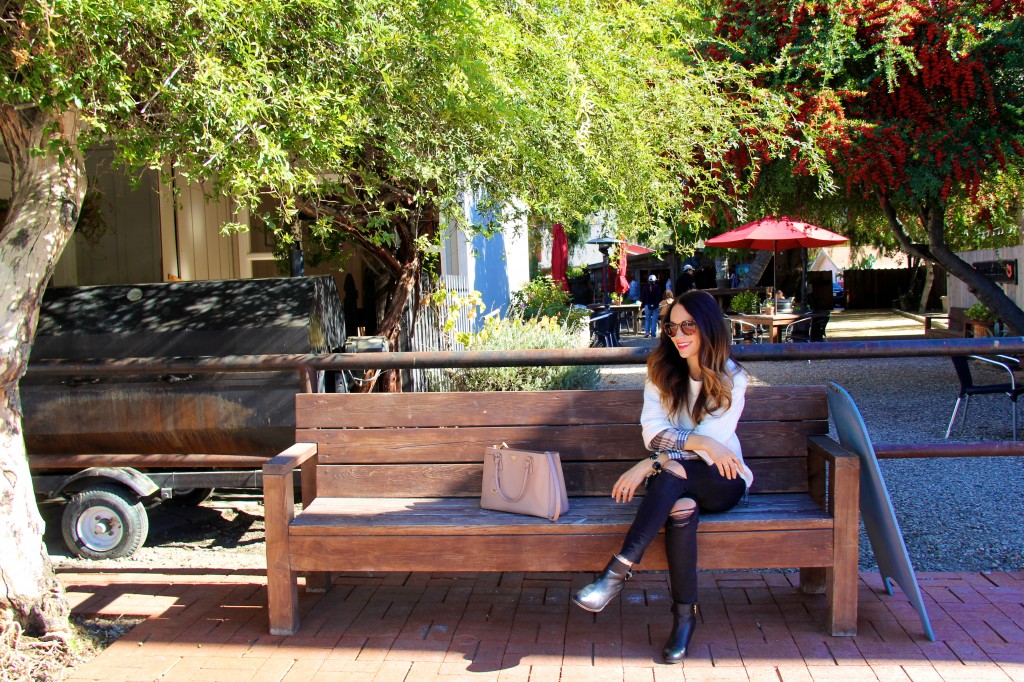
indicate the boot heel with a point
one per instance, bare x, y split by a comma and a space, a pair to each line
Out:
684, 622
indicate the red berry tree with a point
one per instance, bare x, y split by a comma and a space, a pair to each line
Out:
917, 106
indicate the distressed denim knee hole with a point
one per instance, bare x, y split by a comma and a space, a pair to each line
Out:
682, 511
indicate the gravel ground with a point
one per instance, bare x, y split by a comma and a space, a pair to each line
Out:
956, 514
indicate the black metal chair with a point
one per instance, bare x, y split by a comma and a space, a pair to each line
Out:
603, 330
746, 332
968, 388
807, 329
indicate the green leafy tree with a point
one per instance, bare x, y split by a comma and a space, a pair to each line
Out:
365, 119
918, 108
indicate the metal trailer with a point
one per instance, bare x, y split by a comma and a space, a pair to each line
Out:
110, 446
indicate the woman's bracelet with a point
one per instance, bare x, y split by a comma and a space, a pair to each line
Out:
655, 464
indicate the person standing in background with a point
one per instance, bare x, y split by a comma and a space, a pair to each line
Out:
650, 299
634, 290
666, 302
685, 281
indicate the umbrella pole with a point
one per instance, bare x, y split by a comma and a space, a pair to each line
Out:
775, 269
803, 280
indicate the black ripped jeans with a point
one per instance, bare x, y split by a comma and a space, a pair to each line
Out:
711, 492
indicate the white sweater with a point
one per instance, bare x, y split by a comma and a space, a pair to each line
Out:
720, 425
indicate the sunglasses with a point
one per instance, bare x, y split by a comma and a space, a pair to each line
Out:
689, 327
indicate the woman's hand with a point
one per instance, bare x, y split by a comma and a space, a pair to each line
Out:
727, 463
628, 483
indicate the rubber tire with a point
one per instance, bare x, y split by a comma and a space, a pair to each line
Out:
189, 497
122, 505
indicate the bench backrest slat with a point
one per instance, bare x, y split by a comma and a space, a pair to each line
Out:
586, 442
432, 444
463, 480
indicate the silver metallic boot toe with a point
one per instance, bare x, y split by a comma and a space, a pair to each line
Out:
595, 596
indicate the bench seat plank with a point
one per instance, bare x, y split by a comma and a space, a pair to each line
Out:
463, 516
583, 552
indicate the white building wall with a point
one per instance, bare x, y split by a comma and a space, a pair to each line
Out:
495, 266
960, 297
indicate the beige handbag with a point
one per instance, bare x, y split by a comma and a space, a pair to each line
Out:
524, 482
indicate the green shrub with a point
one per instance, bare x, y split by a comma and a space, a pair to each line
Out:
980, 312
545, 297
745, 302
516, 333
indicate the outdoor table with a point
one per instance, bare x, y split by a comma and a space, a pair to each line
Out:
772, 322
723, 296
631, 309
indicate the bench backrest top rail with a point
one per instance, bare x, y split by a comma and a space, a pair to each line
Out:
523, 408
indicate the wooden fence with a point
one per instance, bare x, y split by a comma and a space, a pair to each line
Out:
877, 289
428, 329
961, 297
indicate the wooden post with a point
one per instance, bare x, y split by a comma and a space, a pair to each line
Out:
282, 590
316, 581
841, 579
813, 580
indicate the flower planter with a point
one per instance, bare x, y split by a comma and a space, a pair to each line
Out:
981, 328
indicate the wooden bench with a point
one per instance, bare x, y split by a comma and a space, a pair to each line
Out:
391, 482
956, 327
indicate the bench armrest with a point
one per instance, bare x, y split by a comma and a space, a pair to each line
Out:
279, 469
843, 494
285, 462
833, 451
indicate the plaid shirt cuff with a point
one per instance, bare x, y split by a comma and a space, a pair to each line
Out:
673, 443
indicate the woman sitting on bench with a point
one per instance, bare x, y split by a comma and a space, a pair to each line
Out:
692, 401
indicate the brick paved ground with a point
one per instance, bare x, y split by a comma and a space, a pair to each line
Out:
454, 627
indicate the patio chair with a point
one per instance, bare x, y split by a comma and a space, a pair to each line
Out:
602, 330
807, 329
746, 332
968, 388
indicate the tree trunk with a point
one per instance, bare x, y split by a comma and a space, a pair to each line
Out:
929, 281
390, 326
49, 186
757, 268
933, 215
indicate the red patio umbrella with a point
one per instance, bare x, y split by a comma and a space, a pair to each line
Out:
559, 255
776, 234
621, 279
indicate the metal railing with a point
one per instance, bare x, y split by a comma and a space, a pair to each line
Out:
843, 350
840, 350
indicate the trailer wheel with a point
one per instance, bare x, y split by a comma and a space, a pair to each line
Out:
189, 497
104, 522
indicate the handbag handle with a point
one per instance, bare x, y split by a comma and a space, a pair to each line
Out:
497, 478
553, 498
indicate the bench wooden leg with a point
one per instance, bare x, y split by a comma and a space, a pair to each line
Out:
319, 581
812, 580
282, 583
841, 596
841, 578
283, 600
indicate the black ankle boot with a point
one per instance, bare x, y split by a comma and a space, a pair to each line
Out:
597, 594
683, 625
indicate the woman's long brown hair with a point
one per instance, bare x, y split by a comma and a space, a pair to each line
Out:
669, 372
